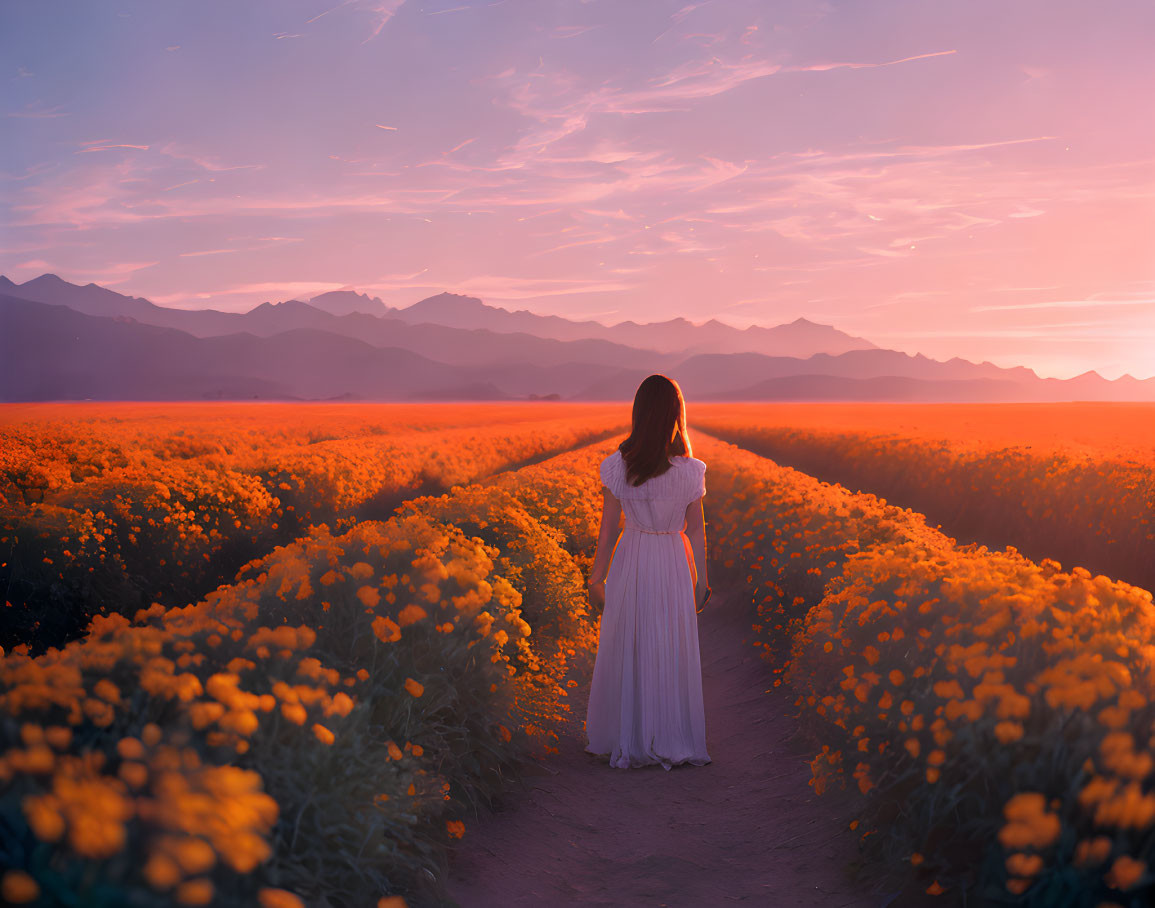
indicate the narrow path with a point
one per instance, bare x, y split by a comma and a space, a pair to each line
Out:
745, 828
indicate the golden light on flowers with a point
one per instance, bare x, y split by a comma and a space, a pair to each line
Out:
927, 660
242, 661
975, 647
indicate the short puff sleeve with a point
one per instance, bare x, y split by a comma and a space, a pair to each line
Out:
611, 473
697, 482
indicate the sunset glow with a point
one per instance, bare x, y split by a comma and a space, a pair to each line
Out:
972, 179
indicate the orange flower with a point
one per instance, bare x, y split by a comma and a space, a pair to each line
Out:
18, 888
278, 898
195, 892
323, 734
1125, 872
415, 688
386, 629
411, 614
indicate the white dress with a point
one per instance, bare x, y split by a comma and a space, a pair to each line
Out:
645, 702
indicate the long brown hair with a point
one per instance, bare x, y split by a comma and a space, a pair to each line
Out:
658, 431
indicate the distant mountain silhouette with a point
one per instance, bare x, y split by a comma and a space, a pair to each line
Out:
100, 344
55, 353
798, 338
447, 344
345, 302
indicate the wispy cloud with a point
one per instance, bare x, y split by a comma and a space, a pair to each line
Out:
109, 148
35, 110
383, 11
1091, 303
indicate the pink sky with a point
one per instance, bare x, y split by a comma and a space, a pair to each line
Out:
952, 178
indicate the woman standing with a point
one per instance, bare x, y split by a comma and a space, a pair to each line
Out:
645, 704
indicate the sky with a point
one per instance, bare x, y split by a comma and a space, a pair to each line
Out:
969, 178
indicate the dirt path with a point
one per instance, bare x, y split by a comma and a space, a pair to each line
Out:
744, 828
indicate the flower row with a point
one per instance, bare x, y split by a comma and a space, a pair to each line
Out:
995, 713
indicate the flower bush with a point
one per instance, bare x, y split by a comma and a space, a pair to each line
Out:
351, 688
130, 506
1074, 482
343, 704
995, 714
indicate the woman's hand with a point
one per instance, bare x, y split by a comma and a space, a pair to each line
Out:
597, 592
701, 595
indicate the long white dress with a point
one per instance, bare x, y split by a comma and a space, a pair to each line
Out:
645, 703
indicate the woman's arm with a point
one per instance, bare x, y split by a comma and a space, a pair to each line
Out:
696, 533
607, 542
607, 536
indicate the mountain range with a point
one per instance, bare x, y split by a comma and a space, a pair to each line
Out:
64, 341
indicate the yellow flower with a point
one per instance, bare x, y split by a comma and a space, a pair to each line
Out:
416, 688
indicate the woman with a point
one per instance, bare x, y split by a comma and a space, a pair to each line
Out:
645, 703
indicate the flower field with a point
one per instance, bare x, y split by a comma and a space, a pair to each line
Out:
995, 713
1074, 482
318, 723
320, 727
135, 504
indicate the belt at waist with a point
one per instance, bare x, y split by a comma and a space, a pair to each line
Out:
630, 526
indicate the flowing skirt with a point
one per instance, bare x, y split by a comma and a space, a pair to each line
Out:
645, 704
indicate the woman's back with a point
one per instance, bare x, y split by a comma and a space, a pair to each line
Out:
658, 505
645, 703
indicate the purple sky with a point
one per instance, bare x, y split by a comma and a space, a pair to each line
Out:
951, 177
